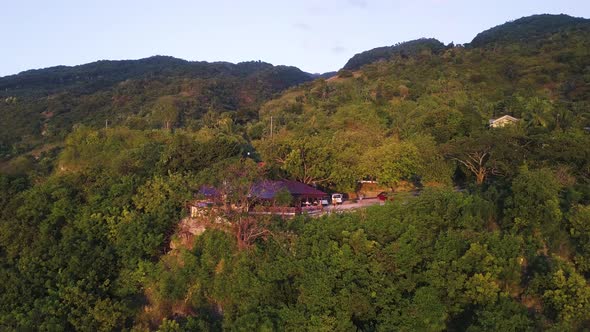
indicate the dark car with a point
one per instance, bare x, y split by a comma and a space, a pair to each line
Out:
384, 196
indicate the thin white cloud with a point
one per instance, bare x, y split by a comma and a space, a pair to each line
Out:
302, 26
338, 49
358, 3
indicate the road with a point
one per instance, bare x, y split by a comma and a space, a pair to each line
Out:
349, 205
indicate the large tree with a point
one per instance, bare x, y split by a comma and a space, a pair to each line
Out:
486, 153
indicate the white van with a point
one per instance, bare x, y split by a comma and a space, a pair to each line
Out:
337, 198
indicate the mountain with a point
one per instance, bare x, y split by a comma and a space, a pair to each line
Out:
524, 30
91, 77
529, 29
440, 95
40, 106
405, 49
484, 228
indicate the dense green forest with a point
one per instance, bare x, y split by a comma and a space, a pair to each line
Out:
41, 106
497, 240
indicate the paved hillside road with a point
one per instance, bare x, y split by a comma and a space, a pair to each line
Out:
349, 205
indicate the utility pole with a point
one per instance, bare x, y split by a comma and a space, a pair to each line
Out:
271, 128
106, 124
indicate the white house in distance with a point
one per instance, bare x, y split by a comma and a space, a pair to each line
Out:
503, 121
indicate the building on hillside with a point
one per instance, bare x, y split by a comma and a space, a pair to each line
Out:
267, 190
503, 121
264, 199
198, 208
207, 197
305, 199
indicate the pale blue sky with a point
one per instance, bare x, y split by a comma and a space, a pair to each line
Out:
316, 36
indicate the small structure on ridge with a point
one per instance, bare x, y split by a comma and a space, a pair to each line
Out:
503, 121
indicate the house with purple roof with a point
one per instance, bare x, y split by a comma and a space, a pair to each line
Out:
263, 195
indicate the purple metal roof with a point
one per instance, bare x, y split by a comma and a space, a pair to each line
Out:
208, 191
268, 189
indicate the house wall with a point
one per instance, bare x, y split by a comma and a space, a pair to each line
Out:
500, 123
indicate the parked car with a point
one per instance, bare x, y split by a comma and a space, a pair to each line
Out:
325, 201
384, 196
337, 198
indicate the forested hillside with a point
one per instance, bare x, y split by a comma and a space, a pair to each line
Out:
498, 238
531, 29
40, 106
414, 115
405, 49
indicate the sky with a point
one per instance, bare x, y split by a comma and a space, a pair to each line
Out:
315, 35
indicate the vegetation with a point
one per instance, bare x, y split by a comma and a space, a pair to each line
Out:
41, 106
533, 28
405, 49
498, 239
